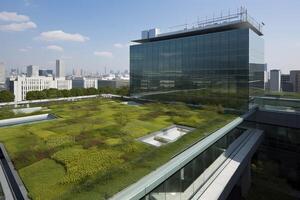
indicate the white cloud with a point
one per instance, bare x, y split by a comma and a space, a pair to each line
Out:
18, 26
23, 50
118, 45
26, 49
13, 17
105, 54
59, 35
18, 22
55, 48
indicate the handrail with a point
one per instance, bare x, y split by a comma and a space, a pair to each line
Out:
240, 16
155, 178
17, 188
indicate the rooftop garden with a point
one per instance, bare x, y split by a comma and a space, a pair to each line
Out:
91, 151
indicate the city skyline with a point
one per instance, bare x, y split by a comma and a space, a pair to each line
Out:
32, 34
208, 108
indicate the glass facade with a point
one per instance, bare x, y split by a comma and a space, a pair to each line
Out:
277, 104
186, 181
208, 68
276, 164
257, 68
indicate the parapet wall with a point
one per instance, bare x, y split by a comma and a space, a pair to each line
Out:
26, 120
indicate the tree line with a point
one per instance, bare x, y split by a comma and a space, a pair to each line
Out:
55, 93
6, 96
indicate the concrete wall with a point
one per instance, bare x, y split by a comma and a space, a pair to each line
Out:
25, 120
27, 110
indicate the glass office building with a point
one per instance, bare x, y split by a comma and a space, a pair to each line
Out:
215, 63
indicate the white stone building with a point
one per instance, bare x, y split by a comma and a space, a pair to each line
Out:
20, 85
90, 83
63, 84
84, 82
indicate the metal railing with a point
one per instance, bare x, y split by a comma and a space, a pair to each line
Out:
241, 15
276, 103
154, 179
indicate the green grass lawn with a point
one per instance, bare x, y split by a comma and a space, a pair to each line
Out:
91, 151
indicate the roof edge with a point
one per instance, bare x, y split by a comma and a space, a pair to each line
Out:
202, 31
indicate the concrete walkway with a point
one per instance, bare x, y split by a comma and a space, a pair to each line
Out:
5, 185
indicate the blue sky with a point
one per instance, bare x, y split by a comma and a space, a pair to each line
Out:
92, 34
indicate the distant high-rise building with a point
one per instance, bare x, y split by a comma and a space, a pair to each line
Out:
60, 69
2, 76
295, 80
14, 72
275, 80
45, 72
257, 75
77, 72
32, 71
286, 85
83, 72
2, 73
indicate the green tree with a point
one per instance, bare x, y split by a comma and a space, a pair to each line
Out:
106, 90
91, 91
65, 93
55, 93
124, 91
41, 95
76, 92
33, 95
52, 93
6, 96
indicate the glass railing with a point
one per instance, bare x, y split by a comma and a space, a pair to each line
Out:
277, 103
190, 178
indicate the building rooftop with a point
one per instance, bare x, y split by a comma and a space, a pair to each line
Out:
240, 19
101, 139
